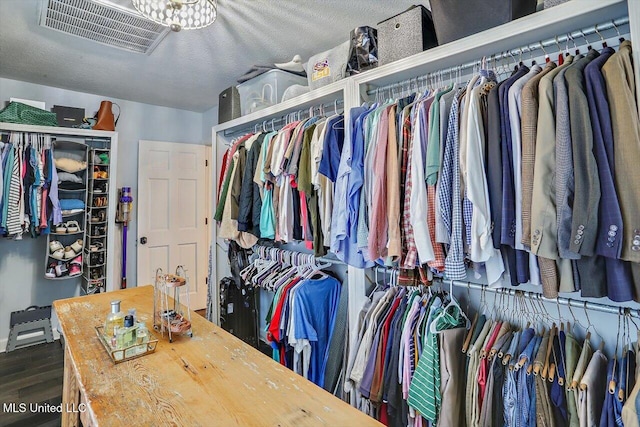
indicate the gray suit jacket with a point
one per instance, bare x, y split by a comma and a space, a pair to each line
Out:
564, 164
618, 74
584, 223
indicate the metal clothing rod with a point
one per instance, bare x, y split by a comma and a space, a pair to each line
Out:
611, 309
274, 123
580, 34
560, 300
294, 257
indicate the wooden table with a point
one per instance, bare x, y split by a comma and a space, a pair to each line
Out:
212, 379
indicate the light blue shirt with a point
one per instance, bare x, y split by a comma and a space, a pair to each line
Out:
346, 195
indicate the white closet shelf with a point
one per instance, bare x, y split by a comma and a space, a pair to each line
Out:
52, 130
321, 95
569, 16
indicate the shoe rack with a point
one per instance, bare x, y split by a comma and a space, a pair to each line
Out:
65, 241
98, 202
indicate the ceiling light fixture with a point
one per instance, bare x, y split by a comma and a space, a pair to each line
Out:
179, 14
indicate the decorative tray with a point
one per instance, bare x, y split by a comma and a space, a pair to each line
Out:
119, 355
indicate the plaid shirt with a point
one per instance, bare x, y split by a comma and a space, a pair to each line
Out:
403, 137
451, 200
438, 251
411, 255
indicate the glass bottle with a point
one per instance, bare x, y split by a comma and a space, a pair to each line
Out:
142, 337
132, 313
115, 318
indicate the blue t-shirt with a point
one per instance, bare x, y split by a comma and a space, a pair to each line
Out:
332, 148
315, 305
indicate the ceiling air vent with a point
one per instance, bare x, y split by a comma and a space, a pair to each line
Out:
104, 23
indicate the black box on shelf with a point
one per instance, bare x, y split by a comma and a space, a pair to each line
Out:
68, 117
228, 105
455, 19
405, 34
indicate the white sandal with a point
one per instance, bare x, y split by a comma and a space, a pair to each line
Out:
72, 226
54, 245
77, 246
61, 228
58, 254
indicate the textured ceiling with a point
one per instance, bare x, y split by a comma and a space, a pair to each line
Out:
190, 68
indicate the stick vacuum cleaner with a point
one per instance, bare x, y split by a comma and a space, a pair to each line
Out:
124, 216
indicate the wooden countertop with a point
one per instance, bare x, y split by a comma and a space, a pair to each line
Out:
212, 379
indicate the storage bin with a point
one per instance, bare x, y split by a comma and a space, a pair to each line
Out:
228, 105
405, 34
266, 90
329, 66
455, 19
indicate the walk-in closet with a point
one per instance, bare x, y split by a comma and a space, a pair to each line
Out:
305, 213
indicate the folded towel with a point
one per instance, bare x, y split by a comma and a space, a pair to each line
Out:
68, 204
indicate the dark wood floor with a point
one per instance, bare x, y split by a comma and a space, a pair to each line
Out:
31, 375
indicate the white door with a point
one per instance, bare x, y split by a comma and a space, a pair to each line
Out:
173, 201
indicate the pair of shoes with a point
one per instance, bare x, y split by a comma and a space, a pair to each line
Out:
100, 188
100, 202
96, 246
75, 266
96, 258
61, 269
99, 216
51, 271
68, 227
98, 231
68, 252
96, 273
56, 250
99, 174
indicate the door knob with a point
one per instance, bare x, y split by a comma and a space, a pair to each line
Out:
143, 240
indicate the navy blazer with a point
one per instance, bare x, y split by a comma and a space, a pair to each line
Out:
508, 224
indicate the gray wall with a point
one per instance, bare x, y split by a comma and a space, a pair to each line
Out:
22, 280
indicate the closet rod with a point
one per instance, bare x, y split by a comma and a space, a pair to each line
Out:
555, 41
605, 308
280, 121
306, 255
560, 300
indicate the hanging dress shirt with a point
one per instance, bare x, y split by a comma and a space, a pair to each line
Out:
481, 249
347, 196
451, 203
418, 200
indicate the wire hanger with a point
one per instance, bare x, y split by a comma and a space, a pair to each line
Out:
586, 40
546, 55
575, 46
604, 42
620, 38
453, 303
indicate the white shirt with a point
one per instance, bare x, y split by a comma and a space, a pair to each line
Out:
481, 249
